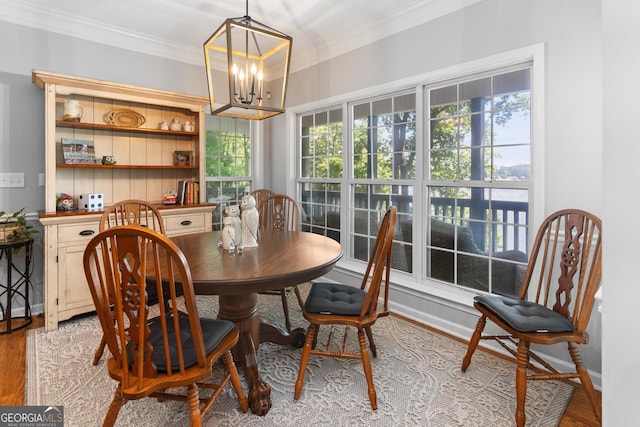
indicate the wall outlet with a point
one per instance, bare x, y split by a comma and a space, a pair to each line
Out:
9, 180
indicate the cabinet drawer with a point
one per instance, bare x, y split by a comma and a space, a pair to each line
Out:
183, 224
78, 232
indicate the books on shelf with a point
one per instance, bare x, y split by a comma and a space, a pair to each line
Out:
78, 151
188, 192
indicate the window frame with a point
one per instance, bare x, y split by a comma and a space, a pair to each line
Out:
254, 178
417, 281
491, 257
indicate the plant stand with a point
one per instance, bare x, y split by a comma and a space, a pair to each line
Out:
15, 287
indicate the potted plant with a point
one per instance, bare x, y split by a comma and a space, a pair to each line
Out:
13, 227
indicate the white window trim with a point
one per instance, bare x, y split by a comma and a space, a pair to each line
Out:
536, 55
257, 153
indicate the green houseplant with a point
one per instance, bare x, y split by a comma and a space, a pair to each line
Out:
14, 227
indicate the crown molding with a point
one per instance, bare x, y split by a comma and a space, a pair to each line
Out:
410, 15
70, 25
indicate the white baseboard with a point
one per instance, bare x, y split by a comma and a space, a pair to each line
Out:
465, 333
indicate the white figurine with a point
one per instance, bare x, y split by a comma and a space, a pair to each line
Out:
229, 234
249, 221
233, 212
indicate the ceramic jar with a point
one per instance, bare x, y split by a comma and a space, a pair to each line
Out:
175, 124
72, 110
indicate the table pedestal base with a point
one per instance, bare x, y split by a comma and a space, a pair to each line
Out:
241, 310
271, 333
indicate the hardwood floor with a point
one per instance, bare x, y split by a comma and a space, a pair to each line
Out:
12, 372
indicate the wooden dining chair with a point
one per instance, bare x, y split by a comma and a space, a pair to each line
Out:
175, 348
129, 212
554, 305
281, 212
260, 195
339, 304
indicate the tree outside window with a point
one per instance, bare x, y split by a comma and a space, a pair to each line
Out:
476, 150
228, 163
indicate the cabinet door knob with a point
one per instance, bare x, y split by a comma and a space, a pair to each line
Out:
87, 232
186, 222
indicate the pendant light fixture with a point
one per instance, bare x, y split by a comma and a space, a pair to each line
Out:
253, 59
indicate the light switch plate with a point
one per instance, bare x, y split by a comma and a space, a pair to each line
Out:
9, 180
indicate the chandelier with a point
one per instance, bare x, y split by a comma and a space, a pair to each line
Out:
254, 60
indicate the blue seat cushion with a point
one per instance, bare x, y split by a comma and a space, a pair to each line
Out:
213, 332
335, 298
525, 316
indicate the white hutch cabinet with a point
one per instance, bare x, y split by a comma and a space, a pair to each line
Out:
145, 169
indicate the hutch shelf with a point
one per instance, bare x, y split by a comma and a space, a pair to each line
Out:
144, 169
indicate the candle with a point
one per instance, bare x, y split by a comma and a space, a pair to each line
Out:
234, 71
241, 84
260, 84
253, 79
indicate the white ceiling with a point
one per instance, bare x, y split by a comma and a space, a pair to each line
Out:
321, 29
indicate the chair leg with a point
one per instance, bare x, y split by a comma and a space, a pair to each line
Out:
585, 378
99, 351
521, 381
366, 365
299, 297
114, 408
372, 345
304, 358
193, 400
285, 309
235, 380
473, 342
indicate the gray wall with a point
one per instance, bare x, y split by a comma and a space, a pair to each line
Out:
621, 151
22, 106
574, 32
572, 35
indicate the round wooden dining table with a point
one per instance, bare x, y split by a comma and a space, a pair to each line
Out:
281, 259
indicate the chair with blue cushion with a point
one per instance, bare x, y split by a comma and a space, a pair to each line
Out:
171, 348
357, 307
554, 306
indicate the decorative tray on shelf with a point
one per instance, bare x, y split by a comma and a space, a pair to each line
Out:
124, 118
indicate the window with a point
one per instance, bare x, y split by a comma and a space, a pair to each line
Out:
457, 169
479, 181
321, 170
383, 164
228, 162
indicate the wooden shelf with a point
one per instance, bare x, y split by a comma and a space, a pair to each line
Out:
147, 169
101, 166
97, 126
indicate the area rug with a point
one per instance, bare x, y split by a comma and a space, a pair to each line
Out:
416, 374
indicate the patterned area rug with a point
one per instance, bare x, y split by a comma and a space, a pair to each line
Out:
416, 374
